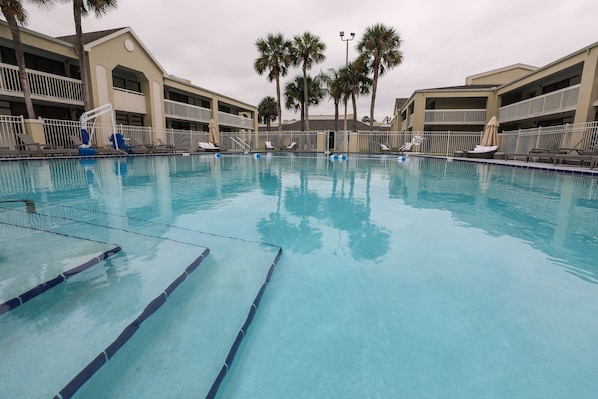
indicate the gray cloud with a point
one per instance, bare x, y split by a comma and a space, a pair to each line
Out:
213, 44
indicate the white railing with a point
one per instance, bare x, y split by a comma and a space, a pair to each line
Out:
59, 132
239, 122
174, 109
10, 126
410, 121
456, 116
581, 136
557, 101
42, 85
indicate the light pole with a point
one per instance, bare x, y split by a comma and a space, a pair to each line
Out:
348, 39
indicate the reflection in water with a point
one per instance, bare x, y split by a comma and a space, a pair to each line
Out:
555, 213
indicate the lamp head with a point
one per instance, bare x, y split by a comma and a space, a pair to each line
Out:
352, 34
342, 34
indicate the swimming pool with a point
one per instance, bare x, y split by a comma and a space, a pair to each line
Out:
424, 278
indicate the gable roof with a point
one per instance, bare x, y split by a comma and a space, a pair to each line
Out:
92, 39
89, 37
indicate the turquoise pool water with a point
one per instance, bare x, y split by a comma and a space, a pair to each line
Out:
424, 278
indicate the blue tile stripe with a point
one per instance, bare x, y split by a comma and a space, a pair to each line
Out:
241, 334
84, 375
46, 285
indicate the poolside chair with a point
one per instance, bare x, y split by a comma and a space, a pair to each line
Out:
32, 147
416, 140
137, 147
291, 146
589, 156
384, 147
6, 152
163, 147
207, 147
481, 151
268, 146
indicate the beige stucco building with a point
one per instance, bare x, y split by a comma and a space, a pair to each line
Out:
122, 72
521, 96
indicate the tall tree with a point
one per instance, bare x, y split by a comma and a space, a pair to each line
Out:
379, 51
333, 87
295, 96
274, 57
353, 83
268, 111
308, 50
16, 15
81, 9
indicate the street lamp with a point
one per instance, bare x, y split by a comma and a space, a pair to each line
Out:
348, 39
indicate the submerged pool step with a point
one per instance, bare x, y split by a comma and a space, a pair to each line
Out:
84, 375
73, 326
46, 285
34, 259
180, 350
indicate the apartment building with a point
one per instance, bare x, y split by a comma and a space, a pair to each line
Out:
521, 96
122, 72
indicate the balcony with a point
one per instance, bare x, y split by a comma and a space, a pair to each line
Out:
455, 117
177, 110
237, 121
43, 86
129, 101
564, 100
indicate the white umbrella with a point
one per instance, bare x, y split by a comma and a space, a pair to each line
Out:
213, 133
490, 137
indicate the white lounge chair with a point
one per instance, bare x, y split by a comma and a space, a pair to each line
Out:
481, 151
269, 146
291, 146
208, 147
416, 140
384, 147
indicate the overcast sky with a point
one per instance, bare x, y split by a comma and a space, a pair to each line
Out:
212, 43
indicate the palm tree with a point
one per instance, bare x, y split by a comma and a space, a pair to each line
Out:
268, 111
379, 51
15, 14
295, 97
353, 83
333, 87
307, 51
275, 56
80, 9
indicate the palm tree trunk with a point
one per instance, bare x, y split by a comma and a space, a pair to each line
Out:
354, 111
279, 105
305, 97
16, 37
77, 4
336, 102
374, 88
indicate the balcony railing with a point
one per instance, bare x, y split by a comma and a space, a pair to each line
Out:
43, 86
177, 110
240, 122
563, 100
456, 116
129, 101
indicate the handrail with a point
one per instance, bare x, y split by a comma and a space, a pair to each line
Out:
244, 146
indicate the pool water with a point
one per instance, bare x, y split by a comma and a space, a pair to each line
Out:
419, 278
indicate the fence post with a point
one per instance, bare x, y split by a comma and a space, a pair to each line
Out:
448, 142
